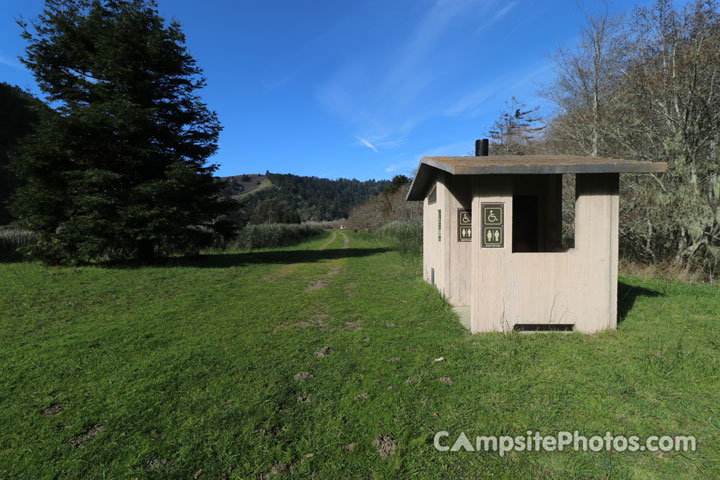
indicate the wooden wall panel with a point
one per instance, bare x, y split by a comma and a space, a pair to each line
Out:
576, 287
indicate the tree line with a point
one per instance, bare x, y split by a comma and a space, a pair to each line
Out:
642, 85
295, 199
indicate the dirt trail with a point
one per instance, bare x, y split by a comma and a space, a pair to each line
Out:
346, 240
332, 239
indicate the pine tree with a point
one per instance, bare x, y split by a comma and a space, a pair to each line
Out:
122, 170
514, 133
20, 112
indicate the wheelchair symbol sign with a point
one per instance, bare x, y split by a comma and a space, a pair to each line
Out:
492, 225
493, 215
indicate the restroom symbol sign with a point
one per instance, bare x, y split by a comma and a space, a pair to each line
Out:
464, 226
492, 225
493, 237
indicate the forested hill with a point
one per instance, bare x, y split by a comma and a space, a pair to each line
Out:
288, 198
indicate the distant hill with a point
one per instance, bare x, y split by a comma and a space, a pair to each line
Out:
237, 186
287, 198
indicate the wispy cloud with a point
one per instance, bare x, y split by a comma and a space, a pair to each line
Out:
11, 63
450, 149
401, 166
367, 144
384, 98
278, 83
471, 104
406, 165
497, 17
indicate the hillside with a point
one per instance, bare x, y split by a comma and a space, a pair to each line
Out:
287, 198
238, 186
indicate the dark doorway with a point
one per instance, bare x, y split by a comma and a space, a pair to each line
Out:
525, 223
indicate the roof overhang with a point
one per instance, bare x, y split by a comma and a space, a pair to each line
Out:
521, 165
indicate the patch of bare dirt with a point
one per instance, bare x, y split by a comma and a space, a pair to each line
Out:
317, 320
276, 470
54, 409
281, 272
323, 282
316, 285
330, 240
304, 399
354, 325
155, 463
446, 380
384, 445
362, 396
394, 359
350, 447
323, 352
303, 376
81, 440
349, 290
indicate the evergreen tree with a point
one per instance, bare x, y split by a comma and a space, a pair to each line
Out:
122, 169
19, 112
515, 132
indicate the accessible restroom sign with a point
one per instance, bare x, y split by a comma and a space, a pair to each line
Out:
493, 218
464, 226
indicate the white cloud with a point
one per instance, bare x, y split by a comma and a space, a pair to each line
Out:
368, 144
384, 96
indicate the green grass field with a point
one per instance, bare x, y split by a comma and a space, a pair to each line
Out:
161, 372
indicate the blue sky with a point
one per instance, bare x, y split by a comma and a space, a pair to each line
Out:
354, 89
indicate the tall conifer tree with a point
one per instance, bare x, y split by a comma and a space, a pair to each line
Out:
122, 169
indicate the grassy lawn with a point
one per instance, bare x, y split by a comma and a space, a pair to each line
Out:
162, 372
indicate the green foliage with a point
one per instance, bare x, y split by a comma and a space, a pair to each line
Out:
273, 235
294, 197
645, 89
389, 206
193, 367
121, 170
20, 113
404, 235
12, 240
397, 183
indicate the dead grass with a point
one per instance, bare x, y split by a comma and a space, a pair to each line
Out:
668, 271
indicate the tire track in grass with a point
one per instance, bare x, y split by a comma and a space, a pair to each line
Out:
332, 239
346, 240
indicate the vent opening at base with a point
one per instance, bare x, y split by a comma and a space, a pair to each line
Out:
543, 327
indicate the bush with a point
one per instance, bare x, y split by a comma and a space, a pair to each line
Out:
12, 239
273, 235
404, 235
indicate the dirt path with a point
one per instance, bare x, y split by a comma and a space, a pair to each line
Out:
346, 240
332, 239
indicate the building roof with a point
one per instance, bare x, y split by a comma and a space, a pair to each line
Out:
522, 165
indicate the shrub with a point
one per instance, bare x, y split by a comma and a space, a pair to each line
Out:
12, 239
404, 235
273, 235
